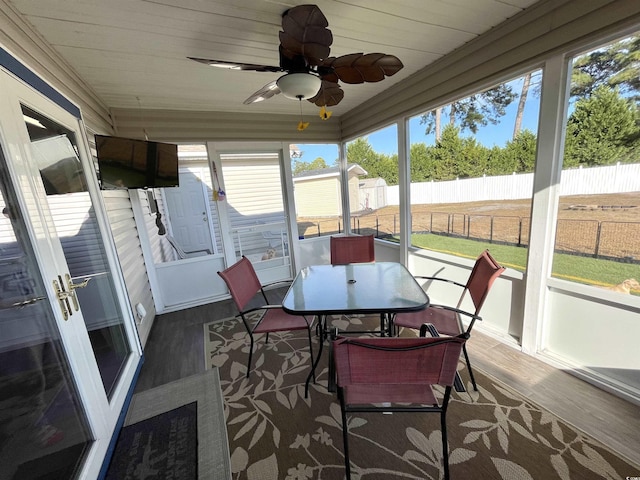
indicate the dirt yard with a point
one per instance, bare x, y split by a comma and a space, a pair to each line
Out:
586, 223
621, 207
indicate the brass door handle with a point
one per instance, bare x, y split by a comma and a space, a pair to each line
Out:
63, 298
63, 294
72, 287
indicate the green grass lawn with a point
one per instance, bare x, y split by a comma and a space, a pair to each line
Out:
587, 270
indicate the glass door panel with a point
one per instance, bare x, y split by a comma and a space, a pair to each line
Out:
43, 429
54, 149
256, 209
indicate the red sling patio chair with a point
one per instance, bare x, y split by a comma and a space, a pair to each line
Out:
244, 285
445, 320
394, 375
352, 249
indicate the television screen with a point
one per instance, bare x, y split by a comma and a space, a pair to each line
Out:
130, 163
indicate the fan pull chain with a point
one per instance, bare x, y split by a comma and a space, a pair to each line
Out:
302, 124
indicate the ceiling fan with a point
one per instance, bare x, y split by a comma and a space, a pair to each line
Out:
310, 73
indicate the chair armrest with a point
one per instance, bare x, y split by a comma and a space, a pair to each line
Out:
429, 327
288, 282
266, 286
422, 277
271, 307
262, 307
473, 316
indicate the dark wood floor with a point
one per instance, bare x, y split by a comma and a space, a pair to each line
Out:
175, 349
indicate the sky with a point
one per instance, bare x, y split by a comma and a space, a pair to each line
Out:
385, 140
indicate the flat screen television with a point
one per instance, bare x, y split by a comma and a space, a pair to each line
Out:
130, 163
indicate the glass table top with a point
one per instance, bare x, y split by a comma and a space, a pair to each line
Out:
379, 287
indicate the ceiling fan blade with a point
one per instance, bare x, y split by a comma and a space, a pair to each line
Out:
236, 65
360, 67
305, 33
330, 94
269, 90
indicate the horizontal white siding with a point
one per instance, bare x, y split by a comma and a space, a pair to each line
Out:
253, 188
125, 235
318, 197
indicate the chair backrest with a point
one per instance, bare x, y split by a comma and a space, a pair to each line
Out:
484, 273
242, 281
352, 249
421, 360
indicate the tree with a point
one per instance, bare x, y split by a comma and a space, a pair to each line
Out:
299, 166
616, 65
602, 129
526, 81
360, 151
376, 164
421, 162
519, 154
472, 112
455, 157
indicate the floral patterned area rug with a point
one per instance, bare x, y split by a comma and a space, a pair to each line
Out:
277, 434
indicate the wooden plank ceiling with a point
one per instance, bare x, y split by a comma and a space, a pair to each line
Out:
133, 53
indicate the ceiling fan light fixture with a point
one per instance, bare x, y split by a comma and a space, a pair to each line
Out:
299, 86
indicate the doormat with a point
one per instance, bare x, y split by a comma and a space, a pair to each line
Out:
164, 446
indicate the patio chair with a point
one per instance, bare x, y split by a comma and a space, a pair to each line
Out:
244, 285
447, 320
394, 375
352, 249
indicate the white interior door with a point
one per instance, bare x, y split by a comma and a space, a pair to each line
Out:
188, 213
81, 293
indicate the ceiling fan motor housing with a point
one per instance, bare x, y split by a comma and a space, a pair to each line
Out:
299, 86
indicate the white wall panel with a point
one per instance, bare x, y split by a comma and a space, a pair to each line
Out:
125, 233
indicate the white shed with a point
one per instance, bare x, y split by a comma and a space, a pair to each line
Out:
317, 192
373, 193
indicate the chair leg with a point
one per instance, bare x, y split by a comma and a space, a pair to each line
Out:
250, 355
345, 436
466, 357
445, 445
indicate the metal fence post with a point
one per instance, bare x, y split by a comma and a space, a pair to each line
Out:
491, 231
598, 232
519, 231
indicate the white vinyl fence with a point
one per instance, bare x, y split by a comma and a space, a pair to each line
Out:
579, 181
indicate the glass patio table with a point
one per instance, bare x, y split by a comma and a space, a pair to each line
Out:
358, 288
